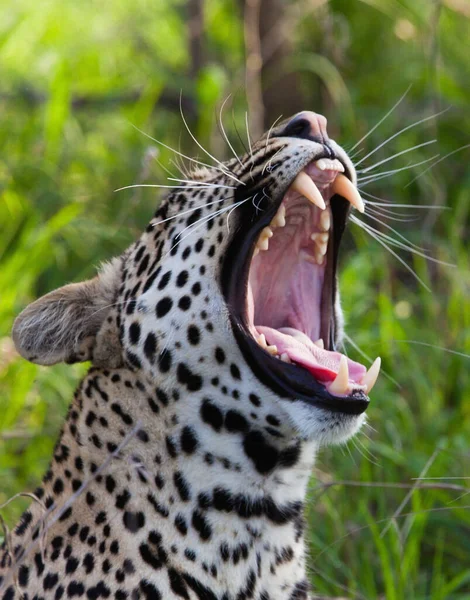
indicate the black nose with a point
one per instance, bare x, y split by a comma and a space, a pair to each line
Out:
307, 125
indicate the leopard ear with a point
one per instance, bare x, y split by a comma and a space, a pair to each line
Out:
62, 326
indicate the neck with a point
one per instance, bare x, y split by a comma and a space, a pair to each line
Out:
211, 493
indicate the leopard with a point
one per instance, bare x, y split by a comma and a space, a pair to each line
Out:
182, 467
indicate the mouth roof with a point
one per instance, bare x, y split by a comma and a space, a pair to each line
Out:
287, 322
289, 299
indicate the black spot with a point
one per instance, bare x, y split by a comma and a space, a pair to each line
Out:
189, 441
171, 447
143, 265
184, 302
300, 591
201, 591
150, 346
194, 335
201, 525
50, 581
23, 576
235, 371
164, 361
89, 563
264, 456
149, 591
163, 306
182, 486
212, 415
177, 584
235, 421
75, 588
134, 333
186, 377
223, 500
182, 279
27, 517
219, 355
133, 521
196, 289
289, 456
255, 400
180, 524
164, 280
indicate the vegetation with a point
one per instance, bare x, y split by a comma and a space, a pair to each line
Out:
80, 83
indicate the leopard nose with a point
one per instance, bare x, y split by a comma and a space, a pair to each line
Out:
307, 125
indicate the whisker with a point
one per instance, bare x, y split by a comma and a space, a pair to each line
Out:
367, 357
238, 133
408, 127
172, 187
224, 133
185, 212
221, 165
437, 162
248, 134
385, 160
364, 226
377, 176
382, 119
391, 215
202, 183
455, 352
382, 202
270, 131
409, 248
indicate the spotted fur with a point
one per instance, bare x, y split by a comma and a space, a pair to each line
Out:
178, 473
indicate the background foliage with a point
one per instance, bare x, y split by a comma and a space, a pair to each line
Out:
80, 79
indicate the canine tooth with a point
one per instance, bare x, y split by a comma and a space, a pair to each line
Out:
325, 220
370, 377
320, 343
340, 384
345, 188
285, 357
304, 185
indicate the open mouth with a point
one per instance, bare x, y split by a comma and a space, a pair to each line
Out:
282, 293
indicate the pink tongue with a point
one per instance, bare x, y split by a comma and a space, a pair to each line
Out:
323, 364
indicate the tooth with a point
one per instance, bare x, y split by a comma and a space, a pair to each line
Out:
319, 237
279, 219
322, 248
325, 220
263, 244
370, 377
320, 343
321, 164
267, 232
256, 252
340, 384
285, 357
345, 188
272, 350
319, 258
262, 341
305, 186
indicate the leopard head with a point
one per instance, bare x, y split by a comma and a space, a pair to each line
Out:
231, 291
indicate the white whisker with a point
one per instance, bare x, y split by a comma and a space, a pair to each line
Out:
185, 212
364, 226
202, 183
224, 133
372, 178
392, 137
221, 165
437, 162
385, 160
382, 119
171, 187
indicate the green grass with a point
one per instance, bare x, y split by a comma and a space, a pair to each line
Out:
59, 217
